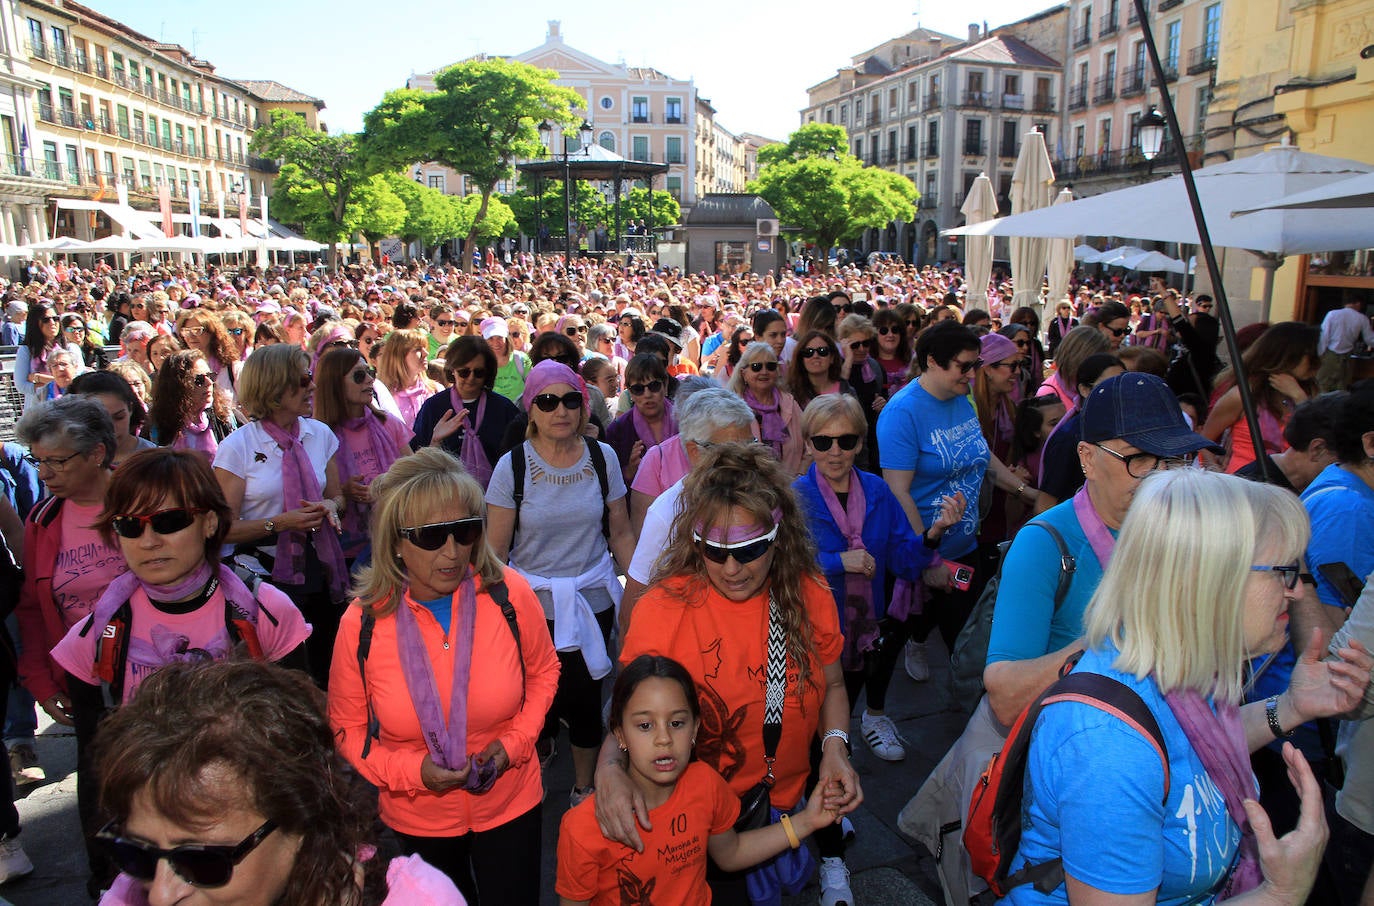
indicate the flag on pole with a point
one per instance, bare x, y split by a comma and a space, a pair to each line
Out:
164, 203
194, 199
122, 193
243, 215
266, 232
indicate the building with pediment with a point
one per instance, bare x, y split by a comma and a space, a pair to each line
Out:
636, 111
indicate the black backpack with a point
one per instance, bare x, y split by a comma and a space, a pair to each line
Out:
598, 457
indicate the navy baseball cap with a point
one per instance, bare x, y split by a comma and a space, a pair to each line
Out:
1141, 410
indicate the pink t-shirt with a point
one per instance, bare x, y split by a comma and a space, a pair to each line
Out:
85, 563
365, 464
663, 464
158, 637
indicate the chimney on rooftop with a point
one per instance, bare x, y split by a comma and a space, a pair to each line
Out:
973, 32
555, 32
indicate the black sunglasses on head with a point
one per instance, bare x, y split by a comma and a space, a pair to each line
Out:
822, 442
435, 535
200, 864
547, 402
164, 522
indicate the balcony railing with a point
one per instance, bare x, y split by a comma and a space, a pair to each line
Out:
1083, 37
1169, 4
928, 202
1078, 97
977, 99
1104, 88
1007, 149
911, 152
1120, 161
1131, 17
890, 156
1109, 27
1042, 103
641, 117
974, 149
673, 119
1201, 59
874, 117
933, 101
1014, 102
930, 149
1133, 82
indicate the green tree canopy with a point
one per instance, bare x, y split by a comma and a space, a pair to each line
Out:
816, 185
431, 216
483, 116
375, 210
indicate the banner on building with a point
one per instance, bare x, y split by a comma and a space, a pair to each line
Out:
194, 193
164, 203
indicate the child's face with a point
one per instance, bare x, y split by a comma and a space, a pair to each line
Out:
658, 730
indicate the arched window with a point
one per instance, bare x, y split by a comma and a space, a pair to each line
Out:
607, 141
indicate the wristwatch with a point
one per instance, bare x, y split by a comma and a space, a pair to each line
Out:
839, 734
1271, 714
270, 526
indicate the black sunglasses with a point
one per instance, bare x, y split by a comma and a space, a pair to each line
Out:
361, 376
574, 331
547, 402
433, 536
639, 389
744, 552
164, 522
756, 367
465, 373
884, 331
811, 352
200, 864
201, 380
345, 344
1120, 331
448, 323
822, 442
861, 344
966, 367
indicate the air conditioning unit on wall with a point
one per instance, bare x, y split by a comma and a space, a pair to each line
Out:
767, 227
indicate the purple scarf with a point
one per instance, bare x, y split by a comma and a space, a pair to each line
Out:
446, 741
772, 428
1218, 738
298, 483
196, 435
645, 433
470, 450
1099, 536
381, 442
860, 621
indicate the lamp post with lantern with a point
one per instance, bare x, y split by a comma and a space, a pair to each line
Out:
584, 134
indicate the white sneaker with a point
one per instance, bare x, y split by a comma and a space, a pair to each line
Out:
835, 883
882, 737
917, 667
14, 862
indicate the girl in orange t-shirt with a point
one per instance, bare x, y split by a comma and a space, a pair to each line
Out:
654, 716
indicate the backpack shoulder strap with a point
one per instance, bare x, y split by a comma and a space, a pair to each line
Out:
111, 653
1068, 563
47, 511
374, 728
598, 457
501, 595
517, 484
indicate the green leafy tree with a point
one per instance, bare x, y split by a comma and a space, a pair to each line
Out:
816, 185
330, 165
483, 116
375, 212
431, 216
586, 206
483, 221
634, 205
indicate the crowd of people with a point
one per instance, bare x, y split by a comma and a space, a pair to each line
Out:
320, 566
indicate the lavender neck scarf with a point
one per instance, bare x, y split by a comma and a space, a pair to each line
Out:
645, 432
197, 435
446, 740
772, 428
381, 442
1218, 738
298, 483
470, 450
1099, 536
860, 621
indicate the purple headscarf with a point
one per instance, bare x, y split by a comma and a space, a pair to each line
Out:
546, 374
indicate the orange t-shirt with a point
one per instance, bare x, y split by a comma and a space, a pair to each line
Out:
495, 711
724, 646
672, 868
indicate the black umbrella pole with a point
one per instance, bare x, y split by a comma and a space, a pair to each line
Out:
1228, 326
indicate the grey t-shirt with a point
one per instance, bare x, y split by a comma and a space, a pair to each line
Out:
560, 517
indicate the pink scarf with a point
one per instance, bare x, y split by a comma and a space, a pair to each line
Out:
381, 442
668, 425
772, 428
1218, 738
1099, 536
470, 451
298, 483
196, 435
860, 621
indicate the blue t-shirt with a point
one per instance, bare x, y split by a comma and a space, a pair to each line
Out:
1025, 623
941, 443
1341, 508
1094, 795
442, 608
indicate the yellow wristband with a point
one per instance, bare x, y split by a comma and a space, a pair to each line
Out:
792, 837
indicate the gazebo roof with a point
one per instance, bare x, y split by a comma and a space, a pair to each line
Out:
729, 209
593, 162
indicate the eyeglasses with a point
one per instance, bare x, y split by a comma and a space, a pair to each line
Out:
51, 319
235, 331
1120, 331
363, 375
447, 323
744, 552
201, 380
843, 308
1138, 465
822, 442
1289, 574
164, 522
200, 864
56, 463
884, 331
435, 535
75, 328
574, 331
547, 402
756, 367
640, 389
192, 331
861, 344
465, 373
1023, 344
341, 344
966, 367
812, 352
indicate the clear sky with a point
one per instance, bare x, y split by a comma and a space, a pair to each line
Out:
752, 60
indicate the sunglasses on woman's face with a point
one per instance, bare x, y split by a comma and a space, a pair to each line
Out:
861, 344
744, 552
51, 319
465, 373
75, 328
435, 535
1120, 331
822, 442
363, 375
639, 389
164, 522
235, 331
192, 331
199, 864
884, 331
547, 402
201, 380
812, 352
341, 344
756, 367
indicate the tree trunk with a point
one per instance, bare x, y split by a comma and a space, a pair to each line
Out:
471, 242
334, 255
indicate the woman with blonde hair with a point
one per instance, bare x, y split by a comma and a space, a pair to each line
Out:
1181, 609
401, 368
441, 705
755, 380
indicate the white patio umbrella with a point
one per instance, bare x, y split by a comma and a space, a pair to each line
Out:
1355, 192
1030, 191
1152, 261
57, 244
1085, 253
1059, 267
980, 205
1114, 257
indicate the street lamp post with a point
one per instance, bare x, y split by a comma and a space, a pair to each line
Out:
1151, 130
584, 134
